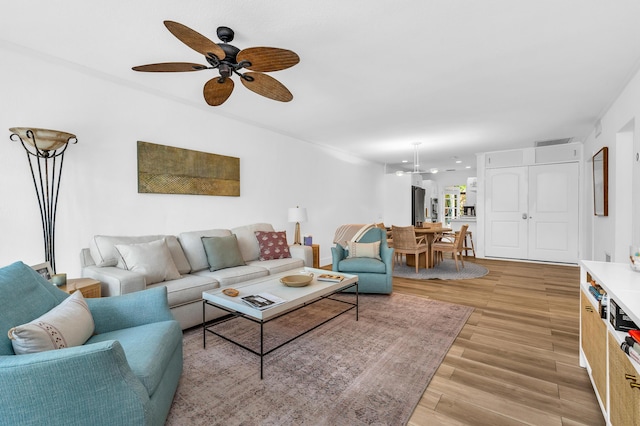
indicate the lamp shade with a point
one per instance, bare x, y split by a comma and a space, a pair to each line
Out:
43, 139
297, 214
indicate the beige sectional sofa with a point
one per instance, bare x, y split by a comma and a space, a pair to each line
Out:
180, 263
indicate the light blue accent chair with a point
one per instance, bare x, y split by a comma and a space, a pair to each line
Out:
126, 374
374, 276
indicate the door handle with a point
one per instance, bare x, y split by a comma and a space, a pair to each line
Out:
524, 215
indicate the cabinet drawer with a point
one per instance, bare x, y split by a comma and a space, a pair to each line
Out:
504, 159
624, 406
594, 344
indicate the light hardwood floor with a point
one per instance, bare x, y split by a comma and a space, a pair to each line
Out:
516, 360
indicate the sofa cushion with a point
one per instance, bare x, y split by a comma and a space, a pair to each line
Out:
222, 252
247, 239
362, 264
276, 266
371, 250
273, 245
187, 289
177, 254
66, 325
152, 259
104, 252
231, 276
194, 250
19, 283
149, 349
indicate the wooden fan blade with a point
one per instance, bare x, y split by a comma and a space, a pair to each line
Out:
267, 59
267, 86
216, 93
170, 67
194, 40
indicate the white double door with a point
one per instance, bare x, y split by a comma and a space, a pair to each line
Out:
532, 212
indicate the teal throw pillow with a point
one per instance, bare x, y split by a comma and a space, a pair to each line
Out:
222, 252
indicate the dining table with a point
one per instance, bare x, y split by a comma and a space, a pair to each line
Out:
425, 260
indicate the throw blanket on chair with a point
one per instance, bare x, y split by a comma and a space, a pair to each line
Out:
350, 232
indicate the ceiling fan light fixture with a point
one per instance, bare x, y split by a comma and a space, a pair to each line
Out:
225, 70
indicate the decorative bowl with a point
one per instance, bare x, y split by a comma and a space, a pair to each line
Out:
300, 280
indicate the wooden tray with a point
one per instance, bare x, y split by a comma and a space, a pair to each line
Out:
299, 280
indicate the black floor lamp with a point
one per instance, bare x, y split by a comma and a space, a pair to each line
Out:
45, 153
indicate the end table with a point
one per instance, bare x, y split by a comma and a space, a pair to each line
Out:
87, 286
316, 255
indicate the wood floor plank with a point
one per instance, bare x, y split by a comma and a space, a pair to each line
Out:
480, 407
528, 349
516, 359
535, 384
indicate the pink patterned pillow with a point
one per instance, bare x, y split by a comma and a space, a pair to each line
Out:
273, 245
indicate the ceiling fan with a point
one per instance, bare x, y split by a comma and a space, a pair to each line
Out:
228, 59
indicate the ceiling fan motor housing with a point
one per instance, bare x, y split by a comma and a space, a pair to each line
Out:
231, 53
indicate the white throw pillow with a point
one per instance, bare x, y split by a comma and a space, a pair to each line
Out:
152, 259
364, 250
68, 324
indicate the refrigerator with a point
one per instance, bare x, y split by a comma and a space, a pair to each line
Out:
417, 205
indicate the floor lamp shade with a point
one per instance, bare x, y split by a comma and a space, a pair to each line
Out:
45, 154
297, 215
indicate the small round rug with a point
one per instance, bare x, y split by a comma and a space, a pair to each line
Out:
445, 270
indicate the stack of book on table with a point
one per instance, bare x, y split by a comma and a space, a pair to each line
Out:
334, 278
262, 300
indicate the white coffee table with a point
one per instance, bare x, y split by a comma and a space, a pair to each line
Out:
295, 298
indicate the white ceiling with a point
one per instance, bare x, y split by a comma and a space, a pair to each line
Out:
375, 76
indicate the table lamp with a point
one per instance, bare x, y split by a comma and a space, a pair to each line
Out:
297, 215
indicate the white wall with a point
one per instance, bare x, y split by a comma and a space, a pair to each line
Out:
98, 193
613, 234
397, 200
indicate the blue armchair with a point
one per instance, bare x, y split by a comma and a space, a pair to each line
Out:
374, 276
126, 373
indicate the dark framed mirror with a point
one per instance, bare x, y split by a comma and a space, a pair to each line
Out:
601, 182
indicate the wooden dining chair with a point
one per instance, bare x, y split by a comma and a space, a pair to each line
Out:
455, 248
405, 242
389, 239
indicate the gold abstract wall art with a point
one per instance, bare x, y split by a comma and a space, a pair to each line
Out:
169, 170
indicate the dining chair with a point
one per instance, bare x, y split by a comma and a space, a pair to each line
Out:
388, 233
405, 242
456, 247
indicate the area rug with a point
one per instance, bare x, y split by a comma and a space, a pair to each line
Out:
445, 270
372, 371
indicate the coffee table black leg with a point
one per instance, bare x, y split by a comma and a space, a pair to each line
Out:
204, 326
357, 313
261, 348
